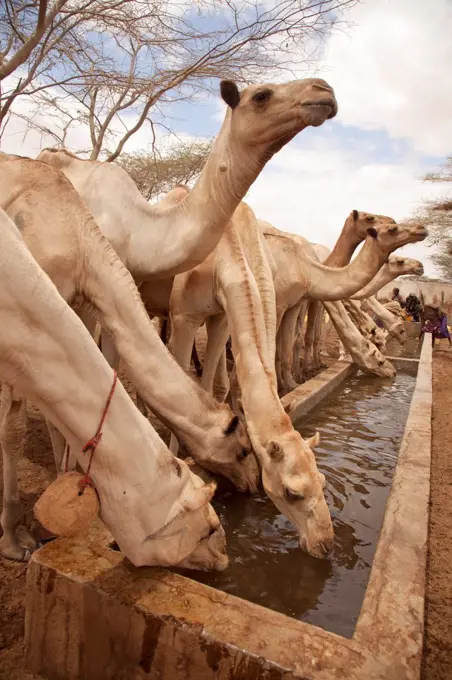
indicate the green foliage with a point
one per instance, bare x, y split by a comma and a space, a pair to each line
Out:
156, 174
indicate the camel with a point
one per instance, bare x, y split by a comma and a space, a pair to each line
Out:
156, 242
295, 282
157, 510
232, 290
353, 232
69, 246
394, 267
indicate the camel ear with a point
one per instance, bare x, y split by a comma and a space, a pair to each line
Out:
372, 232
230, 93
232, 426
275, 451
199, 497
313, 441
355, 215
288, 407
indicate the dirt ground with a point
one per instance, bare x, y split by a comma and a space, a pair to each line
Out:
36, 470
437, 662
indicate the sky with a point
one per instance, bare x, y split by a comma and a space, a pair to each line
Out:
391, 72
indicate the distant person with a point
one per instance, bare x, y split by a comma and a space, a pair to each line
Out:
397, 297
434, 321
413, 307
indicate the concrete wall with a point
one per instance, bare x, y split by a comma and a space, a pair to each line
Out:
436, 293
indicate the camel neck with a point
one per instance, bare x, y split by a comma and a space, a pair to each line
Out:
345, 246
328, 283
190, 230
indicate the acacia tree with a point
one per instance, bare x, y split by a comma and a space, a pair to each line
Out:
154, 174
437, 216
115, 65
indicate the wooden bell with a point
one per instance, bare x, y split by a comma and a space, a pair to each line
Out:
67, 506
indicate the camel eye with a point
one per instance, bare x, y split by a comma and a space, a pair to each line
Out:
242, 455
262, 96
392, 230
293, 495
370, 218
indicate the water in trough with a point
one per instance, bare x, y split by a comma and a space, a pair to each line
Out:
361, 426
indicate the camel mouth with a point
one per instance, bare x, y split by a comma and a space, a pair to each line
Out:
421, 234
419, 271
326, 103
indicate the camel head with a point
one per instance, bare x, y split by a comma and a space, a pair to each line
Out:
391, 236
231, 453
210, 552
378, 337
294, 484
375, 363
359, 222
170, 524
397, 330
400, 266
263, 118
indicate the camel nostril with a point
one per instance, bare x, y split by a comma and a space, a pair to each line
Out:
327, 546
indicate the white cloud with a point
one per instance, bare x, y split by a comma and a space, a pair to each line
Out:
311, 191
392, 71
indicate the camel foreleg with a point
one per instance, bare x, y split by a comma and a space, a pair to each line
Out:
16, 543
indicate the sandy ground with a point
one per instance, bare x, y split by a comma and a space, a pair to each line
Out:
36, 470
437, 662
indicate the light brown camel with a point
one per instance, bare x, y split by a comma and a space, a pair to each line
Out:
156, 509
394, 267
353, 233
162, 240
66, 242
156, 242
233, 292
293, 285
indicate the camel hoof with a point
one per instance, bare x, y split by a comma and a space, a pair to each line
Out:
15, 552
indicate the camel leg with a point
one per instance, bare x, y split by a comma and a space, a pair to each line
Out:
278, 349
287, 333
319, 342
182, 338
56, 438
196, 361
16, 542
217, 335
59, 447
221, 384
299, 343
312, 340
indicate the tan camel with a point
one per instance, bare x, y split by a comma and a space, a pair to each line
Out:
353, 232
66, 242
160, 241
233, 292
295, 282
394, 267
156, 509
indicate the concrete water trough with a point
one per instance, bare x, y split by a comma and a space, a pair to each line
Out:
91, 615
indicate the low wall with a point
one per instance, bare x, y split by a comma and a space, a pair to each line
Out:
90, 615
306, 396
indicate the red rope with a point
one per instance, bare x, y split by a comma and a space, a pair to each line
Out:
93, 442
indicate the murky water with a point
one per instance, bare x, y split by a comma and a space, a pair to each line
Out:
411, 350
361, 426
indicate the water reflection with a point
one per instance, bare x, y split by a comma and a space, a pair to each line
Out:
361, 428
